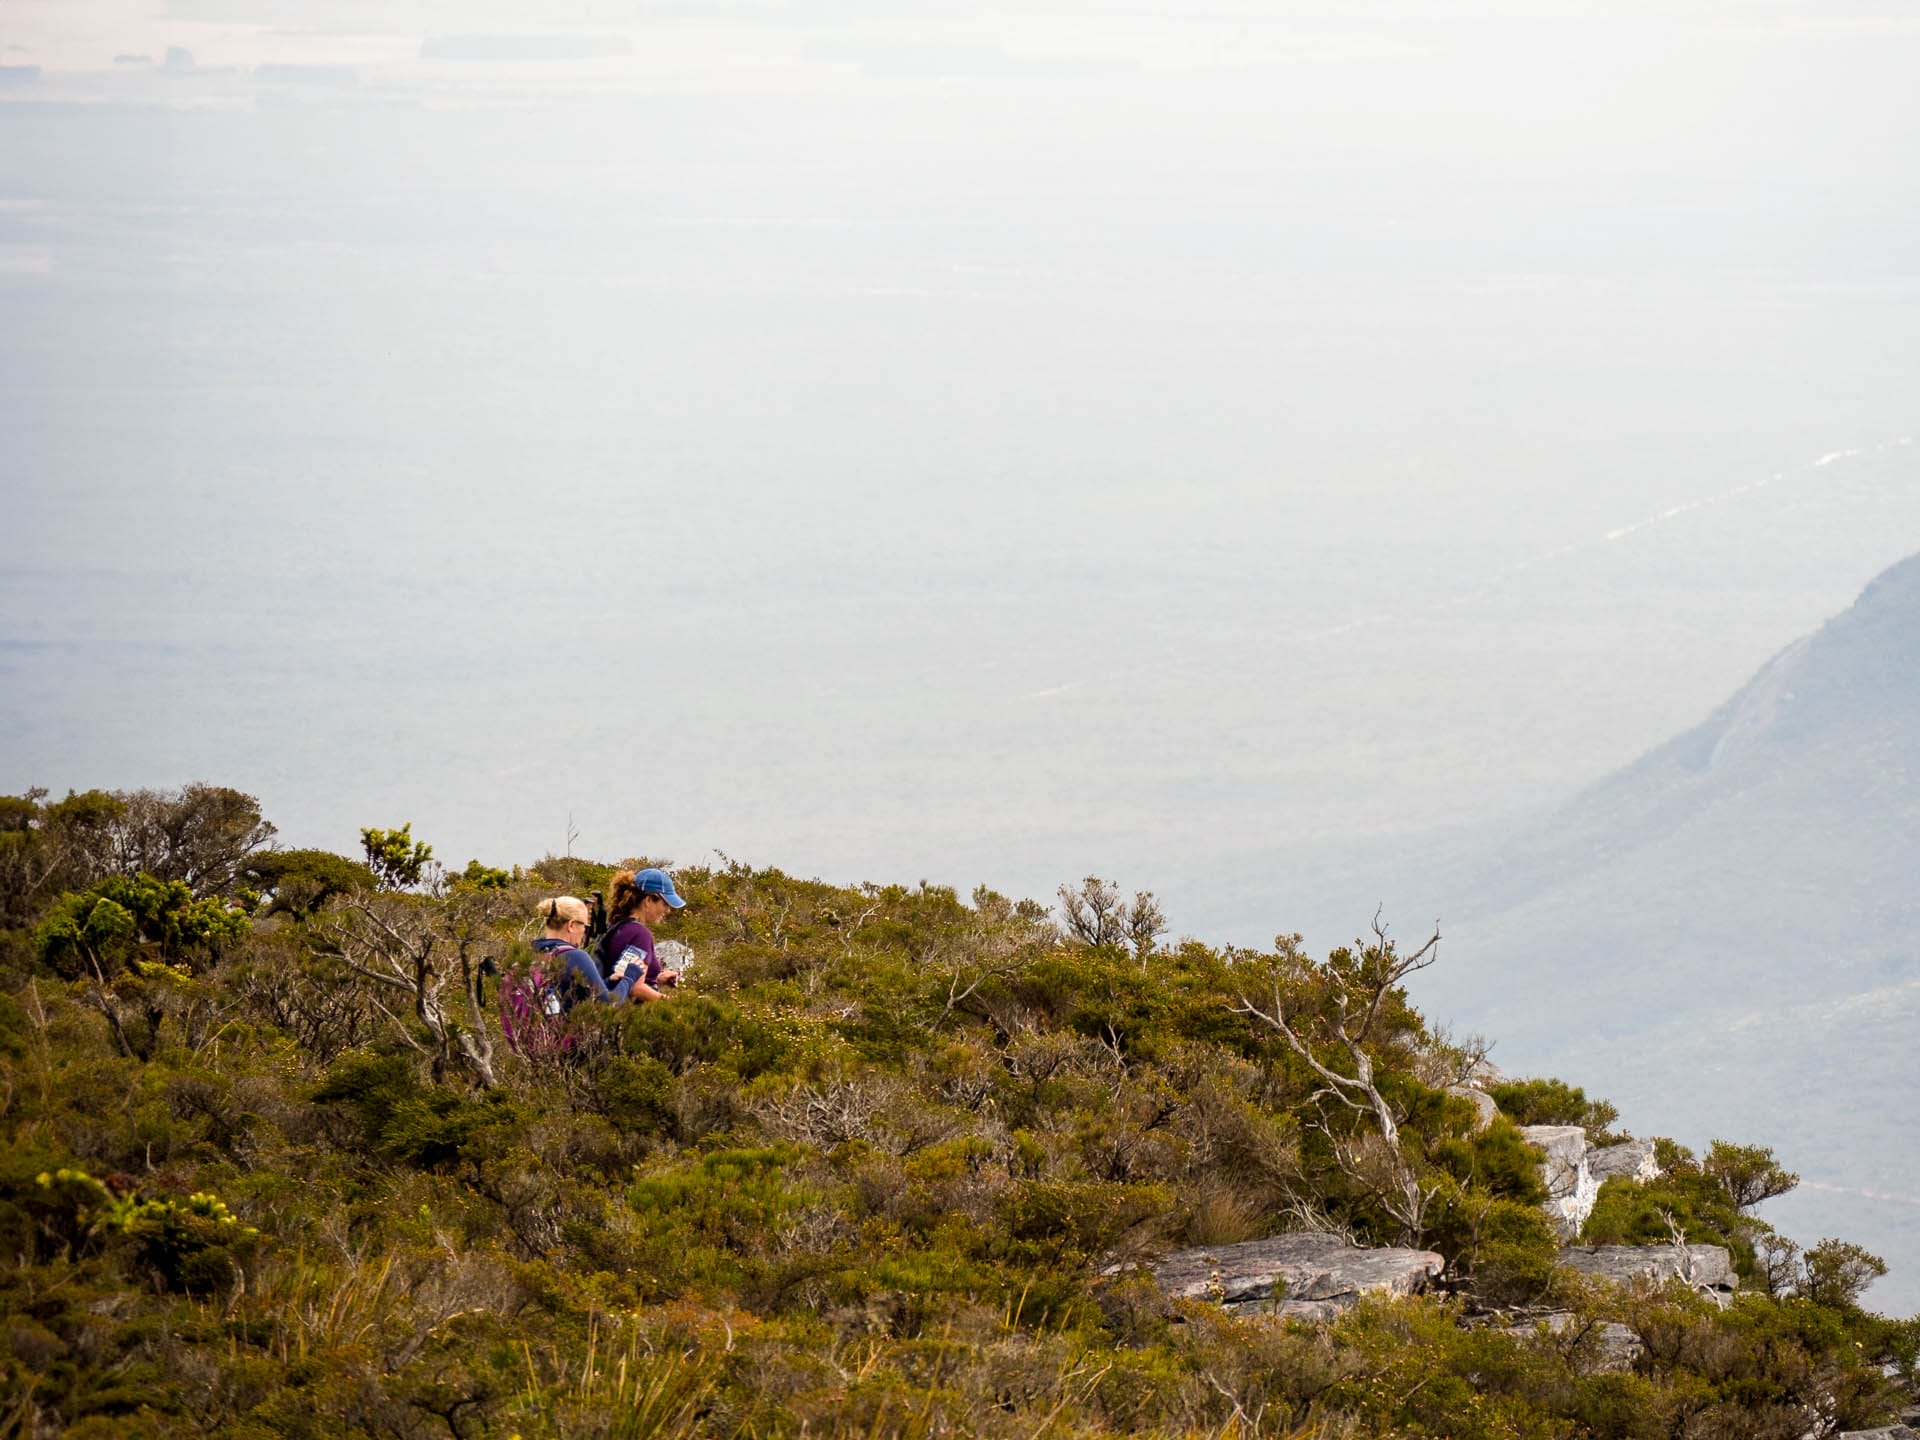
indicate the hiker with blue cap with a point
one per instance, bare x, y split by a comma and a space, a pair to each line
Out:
638, 901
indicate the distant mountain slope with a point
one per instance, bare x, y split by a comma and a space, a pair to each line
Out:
1822, 741
1722, 937
1782, 836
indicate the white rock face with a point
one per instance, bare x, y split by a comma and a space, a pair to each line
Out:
1322, 1275
1571, 1184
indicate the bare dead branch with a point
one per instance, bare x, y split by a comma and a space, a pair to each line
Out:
1377, 1164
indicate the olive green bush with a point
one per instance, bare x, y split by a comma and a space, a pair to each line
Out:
1554, 1102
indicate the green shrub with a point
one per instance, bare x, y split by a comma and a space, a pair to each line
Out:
1425, 1375
637, 1092
301, 881
695, 1030
1497, 1161
734, 1197
1554, 1102
401, 1119
1071, 1221
482, 877
1503, 1249
193, 1245
108, 924
1628, 1212
49, 1210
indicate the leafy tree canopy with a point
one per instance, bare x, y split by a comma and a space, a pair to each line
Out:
105, 926
301, 881
395, 856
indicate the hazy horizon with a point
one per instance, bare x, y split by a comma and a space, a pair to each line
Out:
1043, 442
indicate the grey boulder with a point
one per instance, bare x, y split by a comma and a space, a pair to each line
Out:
1706, 1268
1630, 1160
1485, 1110
1322, 1275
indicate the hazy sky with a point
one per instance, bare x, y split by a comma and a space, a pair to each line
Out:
944, 440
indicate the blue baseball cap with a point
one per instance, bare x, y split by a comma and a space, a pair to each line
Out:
658, 882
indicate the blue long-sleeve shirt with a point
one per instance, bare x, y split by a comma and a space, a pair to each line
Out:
581, 974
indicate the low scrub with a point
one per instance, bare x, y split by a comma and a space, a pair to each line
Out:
893, 1163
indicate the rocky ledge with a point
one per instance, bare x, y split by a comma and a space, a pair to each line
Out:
1706, 1268
1630, 1160
1573, 1171
1320, 1275
1569, 1178
1607, 1345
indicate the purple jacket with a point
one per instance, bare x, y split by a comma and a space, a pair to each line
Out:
631, 935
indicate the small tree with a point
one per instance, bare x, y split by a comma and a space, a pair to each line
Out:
1354, 988
1003, 938
201, 835
1776, 1263
47, 848
1836, 1273
99, 930
424, 948
1097, 915
301, 881
96, 936
396, 857
1748, 1173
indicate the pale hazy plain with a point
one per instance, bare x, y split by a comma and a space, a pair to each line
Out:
940, 441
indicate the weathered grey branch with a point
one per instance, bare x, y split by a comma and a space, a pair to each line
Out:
1400, 1193
402, 954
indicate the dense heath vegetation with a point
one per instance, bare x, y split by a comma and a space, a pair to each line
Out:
890, 1164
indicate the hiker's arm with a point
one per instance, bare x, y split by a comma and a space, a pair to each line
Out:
584, 972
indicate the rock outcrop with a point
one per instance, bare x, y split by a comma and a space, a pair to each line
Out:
1574, 1171
1571, 1186
1319, 1275
1486, 1109
1706, 1268
1609, 1345
1630, 1160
